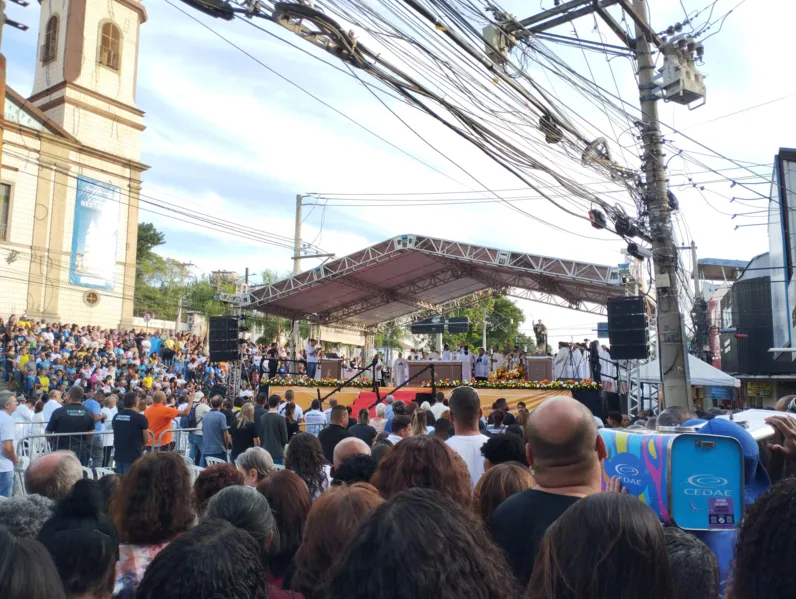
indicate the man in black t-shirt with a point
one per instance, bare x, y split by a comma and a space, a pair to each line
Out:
566, 454
72, 418
130, 434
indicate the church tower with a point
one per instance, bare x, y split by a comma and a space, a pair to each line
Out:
86, 71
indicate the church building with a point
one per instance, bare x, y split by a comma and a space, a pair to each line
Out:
70, 180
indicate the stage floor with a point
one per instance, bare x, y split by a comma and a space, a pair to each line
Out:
358, 398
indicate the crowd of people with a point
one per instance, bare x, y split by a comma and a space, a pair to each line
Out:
430, 500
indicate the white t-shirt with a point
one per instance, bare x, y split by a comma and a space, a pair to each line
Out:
107, 440
469, 448
394, 439
437, 409
312, 353
6, 434
298, 413
49, 408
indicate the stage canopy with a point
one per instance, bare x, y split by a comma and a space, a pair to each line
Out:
391, 283
701, 372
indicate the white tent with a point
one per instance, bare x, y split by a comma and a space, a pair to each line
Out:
702, 373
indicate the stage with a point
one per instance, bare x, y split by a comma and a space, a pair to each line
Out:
363, 398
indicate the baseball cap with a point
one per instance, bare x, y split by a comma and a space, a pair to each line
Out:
756, 478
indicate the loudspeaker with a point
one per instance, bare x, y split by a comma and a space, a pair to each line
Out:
628, 329
224, 339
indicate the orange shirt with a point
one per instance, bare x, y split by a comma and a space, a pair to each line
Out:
159, 417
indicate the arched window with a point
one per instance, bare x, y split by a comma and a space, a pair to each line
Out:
110, 44
50, 48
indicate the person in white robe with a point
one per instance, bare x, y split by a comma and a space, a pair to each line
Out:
446, 354
562, 363
433, 354
496, 360
481, 366
400, 370
466, 359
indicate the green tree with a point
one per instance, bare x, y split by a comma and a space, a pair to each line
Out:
503, 322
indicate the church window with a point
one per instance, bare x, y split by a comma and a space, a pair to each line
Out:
50, 48
110, 44
5, 208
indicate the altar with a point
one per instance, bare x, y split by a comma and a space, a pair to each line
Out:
442, 370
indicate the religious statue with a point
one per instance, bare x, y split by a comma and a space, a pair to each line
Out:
540, 331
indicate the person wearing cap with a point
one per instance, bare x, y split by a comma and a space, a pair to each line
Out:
756, 482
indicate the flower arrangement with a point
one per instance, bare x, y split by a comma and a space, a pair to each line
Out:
504, 374
303, 381
568, 385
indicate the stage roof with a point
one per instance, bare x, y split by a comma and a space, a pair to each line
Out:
409, 274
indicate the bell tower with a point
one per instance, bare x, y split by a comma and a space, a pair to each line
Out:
86, 71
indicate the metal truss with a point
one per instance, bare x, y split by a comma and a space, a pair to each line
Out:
548, 298
388, 295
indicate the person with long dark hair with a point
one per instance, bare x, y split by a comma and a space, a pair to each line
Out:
605, 546
451, 555
498, 484
27, 569
305, 457
215, 559
83, 542
695, 569
332, 521
290, 502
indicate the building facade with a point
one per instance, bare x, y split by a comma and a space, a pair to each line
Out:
71, 173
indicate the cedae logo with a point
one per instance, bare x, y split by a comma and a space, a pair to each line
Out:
627, 474
708, 485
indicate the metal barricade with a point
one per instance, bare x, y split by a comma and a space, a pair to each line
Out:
180, 442
313, 428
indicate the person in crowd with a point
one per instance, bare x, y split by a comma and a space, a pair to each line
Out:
389, 402
305, 457
332, 521
53, 475
443, 429
362, 429
290, 502
694, 568
497, 425
355, 469
83, 542
502, 404
380, 450
335, 432
398, 409
504, 448
498, 484
566, 454
75, 422
291, 419
260, 407
614, 530
194, 421
465, 406
446, 538
130, 434
215, 432
378, 421
51, 404
160, 418
314, 419
18, 575
109, 411
614, 420
351, 420
764, 546
96, 444
254, 464
24, 515
346, 448
273, 431
153, 506
401, 426
244, 432
215, 559
439, 406
424, 462
108, 484
211, 480
419, 426
8, 453
673, 416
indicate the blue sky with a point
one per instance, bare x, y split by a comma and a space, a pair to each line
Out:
228, 137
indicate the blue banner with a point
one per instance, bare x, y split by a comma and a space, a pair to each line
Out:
95, 234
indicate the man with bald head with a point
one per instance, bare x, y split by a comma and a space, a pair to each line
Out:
53, 475
160, 417
346, 448
566, 455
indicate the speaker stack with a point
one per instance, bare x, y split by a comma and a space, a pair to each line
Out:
224, 339
628, 328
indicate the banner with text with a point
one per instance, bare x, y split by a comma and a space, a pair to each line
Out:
95, 234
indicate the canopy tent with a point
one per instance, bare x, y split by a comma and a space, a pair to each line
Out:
702, 373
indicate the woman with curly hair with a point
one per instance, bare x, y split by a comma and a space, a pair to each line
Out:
332, 521
452, 557
151, 507
305, 458
764, 550
211, 480
424, 462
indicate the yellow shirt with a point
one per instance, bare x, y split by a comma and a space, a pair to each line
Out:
24, 359
44, 382
148, 382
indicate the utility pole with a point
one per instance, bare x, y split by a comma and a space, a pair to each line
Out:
695, 269
295, 332
673, 356
483, 334
682, 84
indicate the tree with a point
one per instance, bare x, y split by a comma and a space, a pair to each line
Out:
503, 321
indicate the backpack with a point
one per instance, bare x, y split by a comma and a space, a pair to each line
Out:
189, 421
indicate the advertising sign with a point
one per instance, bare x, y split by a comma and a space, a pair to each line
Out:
95, 234
758, 389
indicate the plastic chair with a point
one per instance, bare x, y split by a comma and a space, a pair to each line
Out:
195, 472
103, 472
188, 461
87, 473
214, 461
19, 476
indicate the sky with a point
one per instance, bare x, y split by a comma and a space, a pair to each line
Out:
229, 137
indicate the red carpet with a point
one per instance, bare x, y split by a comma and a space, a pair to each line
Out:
368, 398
